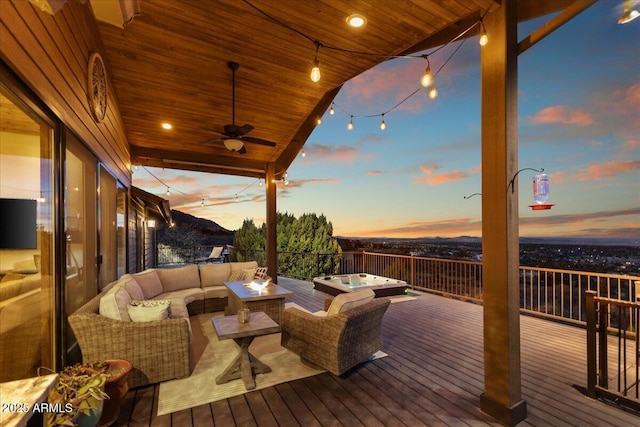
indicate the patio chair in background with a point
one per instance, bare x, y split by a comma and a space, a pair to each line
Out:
215, 256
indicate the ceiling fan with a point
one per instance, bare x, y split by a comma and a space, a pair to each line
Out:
234, 135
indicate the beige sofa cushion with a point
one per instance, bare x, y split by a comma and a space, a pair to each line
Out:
186, 295
214, 274
216, 291
149, 282
114, 303
175, 279
243, 265
348, 300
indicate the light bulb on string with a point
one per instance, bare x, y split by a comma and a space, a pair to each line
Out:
202, 203
315, 71
483, 35
319, 122
303, 154
260, 182
433, 92
236, 199
168, 192
350, 125
383, 125
427, 78
331, 110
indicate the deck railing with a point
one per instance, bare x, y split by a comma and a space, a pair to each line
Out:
553, 293
613, 370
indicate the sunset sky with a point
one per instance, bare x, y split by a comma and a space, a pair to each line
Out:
579, 119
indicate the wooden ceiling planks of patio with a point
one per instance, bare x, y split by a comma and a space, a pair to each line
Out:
433, 376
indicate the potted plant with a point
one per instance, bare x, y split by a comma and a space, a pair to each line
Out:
77, 398
116, 387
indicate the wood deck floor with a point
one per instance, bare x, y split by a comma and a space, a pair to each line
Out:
432, 377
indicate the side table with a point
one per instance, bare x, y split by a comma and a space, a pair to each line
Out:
245, 365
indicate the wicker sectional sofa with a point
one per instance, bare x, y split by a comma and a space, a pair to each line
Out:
159, 350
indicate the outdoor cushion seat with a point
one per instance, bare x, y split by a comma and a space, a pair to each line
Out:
186, 295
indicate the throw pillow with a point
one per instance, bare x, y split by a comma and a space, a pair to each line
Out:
132, 287
249, 274
236, 275
114, 303
260, 273
348, 300
149, 310
149, 282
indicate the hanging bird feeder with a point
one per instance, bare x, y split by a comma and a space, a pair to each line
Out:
541, 192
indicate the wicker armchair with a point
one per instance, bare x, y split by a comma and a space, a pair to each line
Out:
338, 342
159, 350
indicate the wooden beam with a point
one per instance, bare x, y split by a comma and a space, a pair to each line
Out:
502, 397
272, 217
554, 23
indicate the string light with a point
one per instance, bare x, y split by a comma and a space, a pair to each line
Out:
331, 110
427, 78
315, 71
303, 154
319, 122
168, 192
383, 125
350, 125
202, 204
260, 182
483, 35
236, 197
433, 92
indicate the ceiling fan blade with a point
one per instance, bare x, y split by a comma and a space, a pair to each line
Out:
243, 150
211, 141
258, 141
244, 129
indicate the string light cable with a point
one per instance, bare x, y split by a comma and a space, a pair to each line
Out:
426, 80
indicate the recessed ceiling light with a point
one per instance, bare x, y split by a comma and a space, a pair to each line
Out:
356, 21
167, 126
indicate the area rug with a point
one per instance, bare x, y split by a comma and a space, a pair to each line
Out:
201, 387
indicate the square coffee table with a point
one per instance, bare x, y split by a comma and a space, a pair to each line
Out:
270, 299
245, 365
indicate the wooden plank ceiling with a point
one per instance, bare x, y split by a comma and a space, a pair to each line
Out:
169, 64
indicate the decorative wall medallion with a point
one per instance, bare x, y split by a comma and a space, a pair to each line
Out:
97, 87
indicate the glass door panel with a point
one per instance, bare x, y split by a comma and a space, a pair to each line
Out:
80, 193
27, 267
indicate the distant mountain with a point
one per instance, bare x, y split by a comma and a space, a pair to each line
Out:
214, 233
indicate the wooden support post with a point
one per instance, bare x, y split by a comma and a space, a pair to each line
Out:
271, 240
502, 397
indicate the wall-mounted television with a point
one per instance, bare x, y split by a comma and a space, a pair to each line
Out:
18, 224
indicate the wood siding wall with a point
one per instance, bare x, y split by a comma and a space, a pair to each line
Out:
132, 231
51, 55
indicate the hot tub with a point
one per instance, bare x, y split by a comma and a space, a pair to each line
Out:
381, 286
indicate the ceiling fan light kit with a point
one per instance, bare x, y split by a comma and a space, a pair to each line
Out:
233, 144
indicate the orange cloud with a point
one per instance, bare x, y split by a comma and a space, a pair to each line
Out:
445, 228
631, 145
442, 178
563, 114
607, 170
340, 153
